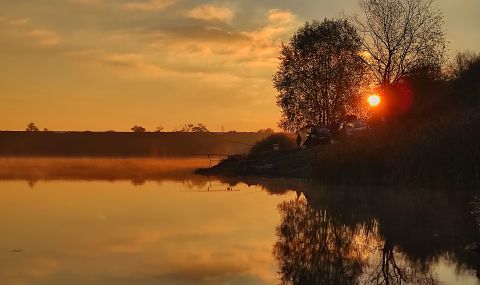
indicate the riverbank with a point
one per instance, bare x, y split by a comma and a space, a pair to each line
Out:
442, 153
295, 163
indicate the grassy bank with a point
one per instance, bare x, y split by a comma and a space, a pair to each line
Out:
281, 164
444, 152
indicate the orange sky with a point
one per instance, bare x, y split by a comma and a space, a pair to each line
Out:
111, 64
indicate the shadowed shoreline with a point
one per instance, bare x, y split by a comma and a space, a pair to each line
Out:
121, 144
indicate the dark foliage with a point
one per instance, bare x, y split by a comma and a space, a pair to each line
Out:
319, 75
192, 128
285, 142
442, 153
433, 142
31, 127
138, 129
467, 84
345, 235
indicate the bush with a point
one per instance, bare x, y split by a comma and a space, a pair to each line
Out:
441, 153
284, 141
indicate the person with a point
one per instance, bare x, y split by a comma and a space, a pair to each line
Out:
299, 140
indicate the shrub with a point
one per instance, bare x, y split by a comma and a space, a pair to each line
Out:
442, 153
284, 141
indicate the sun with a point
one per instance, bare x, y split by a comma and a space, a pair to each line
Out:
374, 100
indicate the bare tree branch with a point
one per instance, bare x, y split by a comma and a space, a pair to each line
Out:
399, 36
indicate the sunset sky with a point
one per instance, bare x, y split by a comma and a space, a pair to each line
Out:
111, 64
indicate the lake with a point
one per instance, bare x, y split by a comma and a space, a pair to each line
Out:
146, 221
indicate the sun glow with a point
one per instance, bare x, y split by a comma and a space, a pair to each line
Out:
374, 100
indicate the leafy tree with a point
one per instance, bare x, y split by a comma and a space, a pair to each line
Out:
31, 127
463, 62
200, 128
138, 129
399, 37
319, 74
284, 142
466, 85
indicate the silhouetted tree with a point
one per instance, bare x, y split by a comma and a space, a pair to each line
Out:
159, 129
319, 74
198, 128
266, 131
463, 62
284, 142
467, 79
138, 129
186, 128
399, 37
32, 127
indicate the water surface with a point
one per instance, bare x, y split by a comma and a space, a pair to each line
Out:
153, 222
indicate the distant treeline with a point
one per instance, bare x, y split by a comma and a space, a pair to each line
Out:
119, 144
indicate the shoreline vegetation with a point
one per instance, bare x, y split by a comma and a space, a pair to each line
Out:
422, 129
439, 153
422, 126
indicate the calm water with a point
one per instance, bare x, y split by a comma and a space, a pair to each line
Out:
74, 222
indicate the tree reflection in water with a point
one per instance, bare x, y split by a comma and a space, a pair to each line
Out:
367, 235
315, 248
395, 268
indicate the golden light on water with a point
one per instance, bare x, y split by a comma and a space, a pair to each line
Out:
374, 100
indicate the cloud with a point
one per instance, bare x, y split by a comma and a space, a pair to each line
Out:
88, 2
31, 270
212, 50
280, 24
19, 22
22, 29
210, 12
43, 37
130, 64
195, 34
205, 265
149, 5
280, 16
219, 57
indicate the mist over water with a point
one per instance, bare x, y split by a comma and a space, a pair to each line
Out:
148, 221
136, 170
